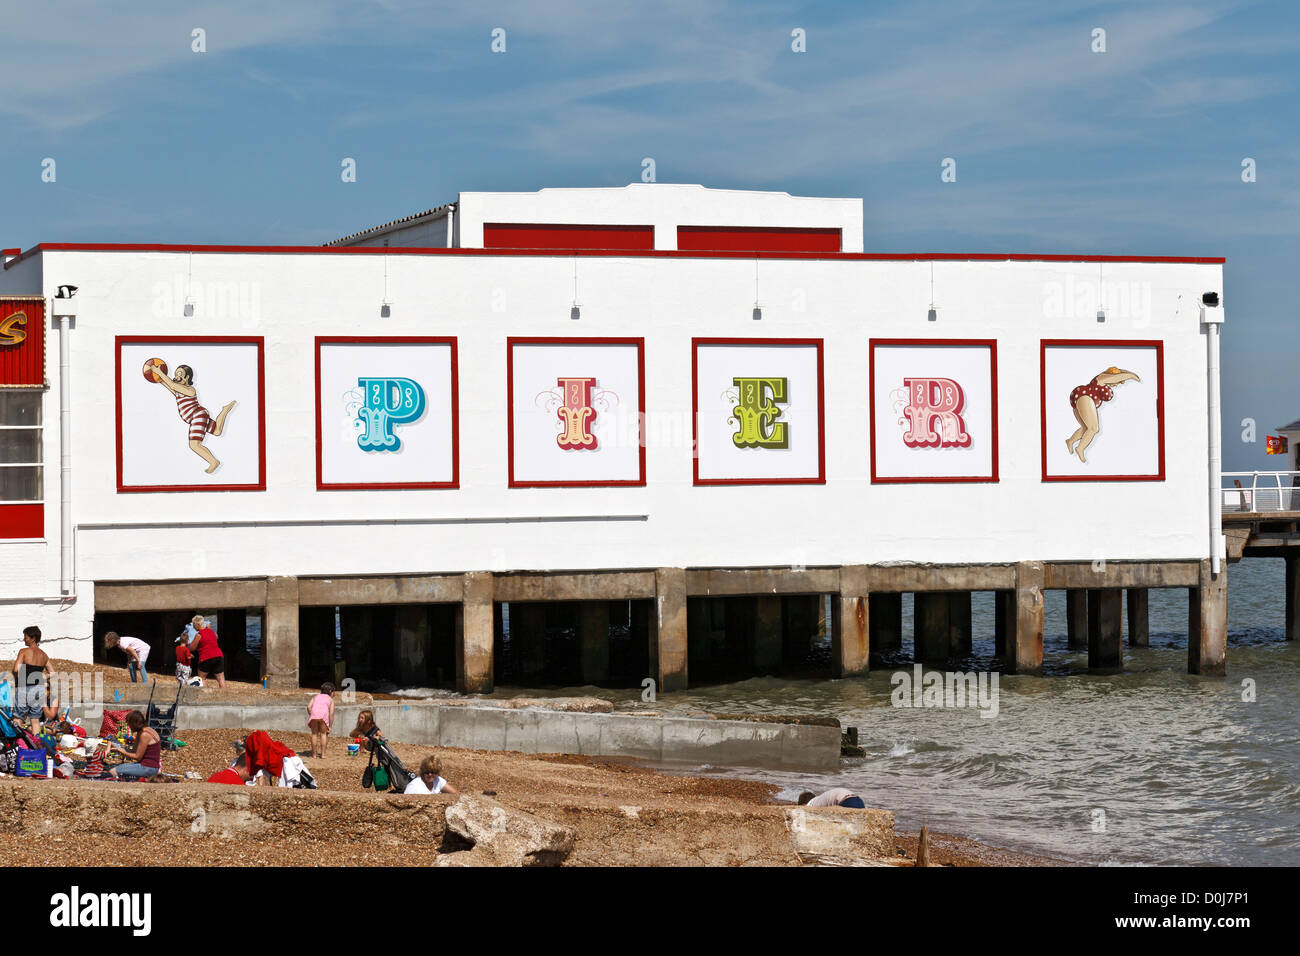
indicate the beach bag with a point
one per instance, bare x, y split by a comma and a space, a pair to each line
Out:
380, 779
31, 763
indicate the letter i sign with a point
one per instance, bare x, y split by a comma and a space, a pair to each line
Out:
576, 414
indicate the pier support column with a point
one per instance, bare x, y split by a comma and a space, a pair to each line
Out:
886, 622
1104, 629
1076, 618
1004, 620
1139, 621
475, 630
280, 632
1207, 640
767, 634
528, 641
931, 638
850, 636
412, 644
800, 616
959, 629
1293, 599
1025, 644
593, 640
669, 644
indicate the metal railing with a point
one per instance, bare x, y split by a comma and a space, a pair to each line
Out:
1261, 491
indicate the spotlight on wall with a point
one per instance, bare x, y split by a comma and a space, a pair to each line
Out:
932, 315
1101, 315
1209, 300
189, 308
575, 313
68, 291
758, 313
385, 309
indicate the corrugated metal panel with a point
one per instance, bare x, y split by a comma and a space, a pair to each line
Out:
22, 341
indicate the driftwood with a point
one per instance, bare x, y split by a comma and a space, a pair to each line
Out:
923, 848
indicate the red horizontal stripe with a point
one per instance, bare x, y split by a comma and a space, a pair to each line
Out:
655, 253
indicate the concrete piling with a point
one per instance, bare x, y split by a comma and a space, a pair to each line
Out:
1207, 639
1293, 598
280, 631
1139, 626
670, 657
1024, 654
767, 635
1076, 618
474, 633
931, 637
959, 624
1004, 620
1104, 630
886, 622
593, 641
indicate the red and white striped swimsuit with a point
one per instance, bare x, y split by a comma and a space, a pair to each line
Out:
195, 415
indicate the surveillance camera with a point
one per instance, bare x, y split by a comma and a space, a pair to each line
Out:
66, 292
1210, 300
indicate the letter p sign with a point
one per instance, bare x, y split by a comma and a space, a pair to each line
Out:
389, 402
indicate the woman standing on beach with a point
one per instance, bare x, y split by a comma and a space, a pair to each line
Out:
146, 759
29, 679
320, 717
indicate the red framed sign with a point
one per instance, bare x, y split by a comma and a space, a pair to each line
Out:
387, 413
934, 410
22, 341
575, 412
758, 411
191, 413
1102, 405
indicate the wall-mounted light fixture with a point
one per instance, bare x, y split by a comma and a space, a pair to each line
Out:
932, 315
575, 313
758, 309
1101, 296
385, 309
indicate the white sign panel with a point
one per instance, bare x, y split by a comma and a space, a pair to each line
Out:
933, 410
1102, 409
190, 414
576, 409
386, 413
758, 411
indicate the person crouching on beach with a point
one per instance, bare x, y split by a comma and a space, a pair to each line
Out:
320, 718
136, 651
429, 779
146, 759
838, 797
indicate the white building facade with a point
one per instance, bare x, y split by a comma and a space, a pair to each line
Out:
784, 406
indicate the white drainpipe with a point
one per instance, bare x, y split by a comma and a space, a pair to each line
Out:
451, 222
1212, 317
67, 574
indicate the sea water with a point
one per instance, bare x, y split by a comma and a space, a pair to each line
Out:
1145, 767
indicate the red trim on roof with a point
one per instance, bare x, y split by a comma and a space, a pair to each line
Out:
10, 252
660, 253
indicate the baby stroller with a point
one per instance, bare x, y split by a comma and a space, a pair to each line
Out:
12, 739
163, 721
383, 758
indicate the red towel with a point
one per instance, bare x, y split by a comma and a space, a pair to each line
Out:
265, 754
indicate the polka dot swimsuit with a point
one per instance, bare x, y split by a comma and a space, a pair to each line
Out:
1098, 393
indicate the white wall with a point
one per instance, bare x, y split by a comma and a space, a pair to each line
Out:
662, 205
292, 298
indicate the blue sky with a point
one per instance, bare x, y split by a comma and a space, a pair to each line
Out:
1137, 150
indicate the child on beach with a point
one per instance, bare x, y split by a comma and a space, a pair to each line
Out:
320, 717
183, 659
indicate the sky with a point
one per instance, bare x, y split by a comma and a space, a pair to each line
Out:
1137, 150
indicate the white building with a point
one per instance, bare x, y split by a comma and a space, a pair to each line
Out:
816, 381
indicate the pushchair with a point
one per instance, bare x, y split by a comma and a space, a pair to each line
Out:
12, 739
163, 720
382, 756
